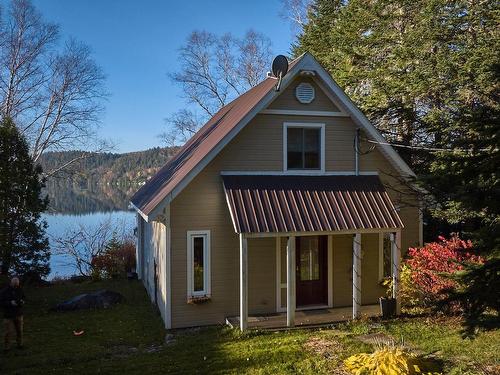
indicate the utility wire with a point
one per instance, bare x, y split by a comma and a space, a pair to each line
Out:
424, 148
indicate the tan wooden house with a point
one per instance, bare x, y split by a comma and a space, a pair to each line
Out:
285, 202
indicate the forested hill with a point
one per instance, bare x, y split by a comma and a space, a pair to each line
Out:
108, 168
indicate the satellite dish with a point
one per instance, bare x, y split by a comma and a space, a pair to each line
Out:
279, 68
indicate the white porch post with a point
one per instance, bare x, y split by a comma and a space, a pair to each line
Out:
396, 256
290, 282
356, 276
243, 282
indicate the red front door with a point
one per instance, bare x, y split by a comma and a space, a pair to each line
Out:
312, 270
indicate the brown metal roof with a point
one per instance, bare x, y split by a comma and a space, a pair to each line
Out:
196, 148
266, 204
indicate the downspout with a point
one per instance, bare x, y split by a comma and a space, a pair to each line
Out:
356, 151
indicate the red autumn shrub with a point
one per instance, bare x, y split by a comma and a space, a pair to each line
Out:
430, 264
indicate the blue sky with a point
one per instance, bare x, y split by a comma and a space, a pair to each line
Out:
136, 44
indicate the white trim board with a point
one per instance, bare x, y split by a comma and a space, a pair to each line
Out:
330, 271
168, 270
297, 173
279, 284
339, 232
291, 112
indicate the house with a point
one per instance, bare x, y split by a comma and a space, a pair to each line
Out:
269, 208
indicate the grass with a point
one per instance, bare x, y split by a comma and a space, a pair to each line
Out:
129, 339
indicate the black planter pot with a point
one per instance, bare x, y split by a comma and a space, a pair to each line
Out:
387, 307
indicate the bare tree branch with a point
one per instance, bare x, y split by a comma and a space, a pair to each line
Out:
295, 11
83, 244
214, 70
53, 94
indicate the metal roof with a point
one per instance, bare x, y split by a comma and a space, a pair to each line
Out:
271, 204
161, 184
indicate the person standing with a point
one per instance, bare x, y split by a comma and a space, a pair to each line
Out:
12, 301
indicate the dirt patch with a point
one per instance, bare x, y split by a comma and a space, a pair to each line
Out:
329, 349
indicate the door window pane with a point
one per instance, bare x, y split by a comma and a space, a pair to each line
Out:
309, 259
198, 264
303, 148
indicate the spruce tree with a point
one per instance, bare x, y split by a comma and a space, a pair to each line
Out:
24, 246
426, 73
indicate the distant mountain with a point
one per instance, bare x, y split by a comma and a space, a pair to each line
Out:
132, 168
99, 182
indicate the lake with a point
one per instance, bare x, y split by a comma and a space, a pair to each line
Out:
71, 207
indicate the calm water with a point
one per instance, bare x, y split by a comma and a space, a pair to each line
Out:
72, 207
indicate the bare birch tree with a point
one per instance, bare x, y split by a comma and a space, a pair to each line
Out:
214, 70
53, 92
295, 12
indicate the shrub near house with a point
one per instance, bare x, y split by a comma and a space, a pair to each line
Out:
427, 267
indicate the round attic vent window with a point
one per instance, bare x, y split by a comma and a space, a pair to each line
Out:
304, 93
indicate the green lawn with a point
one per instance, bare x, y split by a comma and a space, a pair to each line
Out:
128, 339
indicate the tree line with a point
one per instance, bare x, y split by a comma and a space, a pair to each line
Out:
132, 168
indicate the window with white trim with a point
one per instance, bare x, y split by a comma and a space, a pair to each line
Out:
385, 255
304, 146
198, 263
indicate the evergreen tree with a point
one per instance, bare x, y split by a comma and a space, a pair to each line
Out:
24, 247
426, 73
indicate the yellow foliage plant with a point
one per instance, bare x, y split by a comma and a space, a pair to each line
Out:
387, 361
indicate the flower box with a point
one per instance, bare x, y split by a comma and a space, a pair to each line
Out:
198, 300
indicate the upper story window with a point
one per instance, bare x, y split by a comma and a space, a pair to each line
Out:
304, 146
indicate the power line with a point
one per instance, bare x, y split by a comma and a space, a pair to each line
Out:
424, 148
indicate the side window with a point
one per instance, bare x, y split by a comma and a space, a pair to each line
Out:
198, 263
385, 256
304, 146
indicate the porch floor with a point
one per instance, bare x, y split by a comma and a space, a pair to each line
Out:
304, 318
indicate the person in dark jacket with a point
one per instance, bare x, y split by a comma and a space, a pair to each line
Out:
12, 301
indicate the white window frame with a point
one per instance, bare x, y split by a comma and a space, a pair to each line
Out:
206, 292
313, 125
381, 256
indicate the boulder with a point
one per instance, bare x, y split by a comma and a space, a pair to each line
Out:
101, 299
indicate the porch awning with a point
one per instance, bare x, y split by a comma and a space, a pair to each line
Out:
281, 204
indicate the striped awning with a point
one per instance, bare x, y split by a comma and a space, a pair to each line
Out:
281, 204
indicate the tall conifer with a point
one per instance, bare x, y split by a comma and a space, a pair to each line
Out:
24, 246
